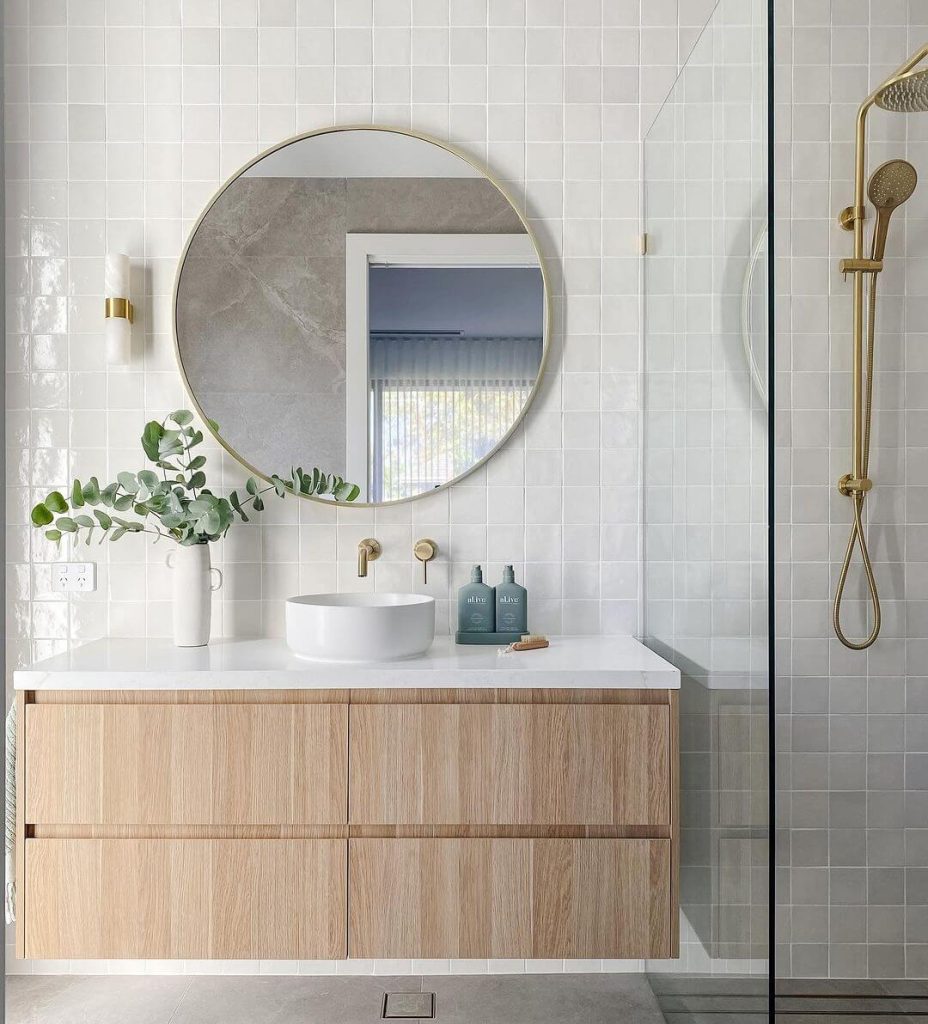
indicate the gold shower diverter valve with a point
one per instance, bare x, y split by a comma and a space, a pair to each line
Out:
849, 484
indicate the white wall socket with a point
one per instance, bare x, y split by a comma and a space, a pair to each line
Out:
74, 577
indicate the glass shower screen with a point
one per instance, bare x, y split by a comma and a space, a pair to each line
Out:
705, 499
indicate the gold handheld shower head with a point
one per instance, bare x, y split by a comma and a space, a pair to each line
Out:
890, 185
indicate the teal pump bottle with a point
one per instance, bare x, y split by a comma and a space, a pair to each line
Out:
476, 611
511, 604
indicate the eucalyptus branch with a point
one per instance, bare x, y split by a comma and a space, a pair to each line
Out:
183, 508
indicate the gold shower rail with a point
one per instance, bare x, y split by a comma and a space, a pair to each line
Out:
904, 91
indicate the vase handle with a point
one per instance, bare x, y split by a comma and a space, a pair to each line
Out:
219, 574
169, 561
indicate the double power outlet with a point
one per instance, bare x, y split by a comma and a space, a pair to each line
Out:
74, 577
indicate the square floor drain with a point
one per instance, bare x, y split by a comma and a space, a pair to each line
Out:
409, 1005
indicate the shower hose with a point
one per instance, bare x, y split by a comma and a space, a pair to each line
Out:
857, 537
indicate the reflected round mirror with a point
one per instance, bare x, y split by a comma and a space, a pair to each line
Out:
364, 301
754, 315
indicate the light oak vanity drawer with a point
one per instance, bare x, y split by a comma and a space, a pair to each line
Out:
513, 764
547, 898
186, 764
185, 898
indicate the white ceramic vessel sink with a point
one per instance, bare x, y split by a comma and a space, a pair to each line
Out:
360, 627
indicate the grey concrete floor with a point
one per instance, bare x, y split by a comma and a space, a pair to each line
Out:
485, 999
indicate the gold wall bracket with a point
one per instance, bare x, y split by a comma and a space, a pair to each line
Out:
122, 308
850, 215
850, 485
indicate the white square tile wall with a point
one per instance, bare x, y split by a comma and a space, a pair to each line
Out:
122, 117
853, 790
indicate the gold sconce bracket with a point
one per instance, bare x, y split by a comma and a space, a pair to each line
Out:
849, 215
850, 485
119, 308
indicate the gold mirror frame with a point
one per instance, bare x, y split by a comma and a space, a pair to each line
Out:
546, 333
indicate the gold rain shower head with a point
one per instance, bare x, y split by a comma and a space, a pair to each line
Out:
906, 93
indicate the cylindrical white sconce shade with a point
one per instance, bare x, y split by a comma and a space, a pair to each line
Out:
118, 309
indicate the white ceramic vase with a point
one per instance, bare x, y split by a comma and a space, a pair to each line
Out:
193, 588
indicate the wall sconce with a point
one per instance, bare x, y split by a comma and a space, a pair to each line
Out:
118, 309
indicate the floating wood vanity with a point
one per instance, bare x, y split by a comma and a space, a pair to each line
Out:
235, 802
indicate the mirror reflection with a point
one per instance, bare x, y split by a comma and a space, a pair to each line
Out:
366, 302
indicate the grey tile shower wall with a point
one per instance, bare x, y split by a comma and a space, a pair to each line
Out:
123, 117
853, 789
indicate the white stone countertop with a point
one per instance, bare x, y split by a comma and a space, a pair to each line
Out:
571, 662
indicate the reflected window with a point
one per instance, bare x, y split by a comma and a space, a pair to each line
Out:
453, 354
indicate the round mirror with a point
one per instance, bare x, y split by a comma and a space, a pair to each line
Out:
366, 302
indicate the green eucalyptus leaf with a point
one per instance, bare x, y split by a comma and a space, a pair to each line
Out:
195, 438
149, 479
197, 480
108, 494
85, 521
128, 482
103, 519
196, 463
258, 504
347, 492
251, 485
41, 515
53, 535
56, 502
123, 503
182, 417
170, 443
279, 486
66, 525
151, 439
91, 491
116, 534
77, 494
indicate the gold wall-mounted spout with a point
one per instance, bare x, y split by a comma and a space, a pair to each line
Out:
369, 550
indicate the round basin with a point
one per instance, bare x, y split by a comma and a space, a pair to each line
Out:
360, 627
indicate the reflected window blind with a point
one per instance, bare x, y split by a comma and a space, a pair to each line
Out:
439, 404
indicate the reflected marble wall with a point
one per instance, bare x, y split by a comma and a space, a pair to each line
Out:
261, 300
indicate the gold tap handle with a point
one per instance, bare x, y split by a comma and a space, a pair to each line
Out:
425, 550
